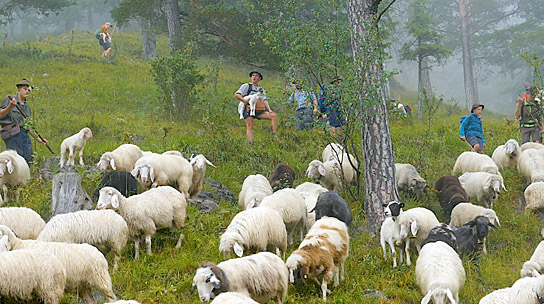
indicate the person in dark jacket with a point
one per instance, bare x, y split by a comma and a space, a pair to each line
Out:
471, 129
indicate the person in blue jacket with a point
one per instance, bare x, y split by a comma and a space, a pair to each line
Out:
471, 129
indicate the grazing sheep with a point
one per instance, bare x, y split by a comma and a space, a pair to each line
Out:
233, 298
310, 193
486, 187
14, 172
262, 276
527, 291
451, 193
531, 145
439, 273
164, 170
474, 162
157, 208
86, 268
531, 165
471, 236
26, 274
327, 173
409, 180
534, 196
507, 155
25, 222
254, 230
322, 252
104, 229
416, 223
499, 296
442, 233
198, 162
282, 177
533, 267
390, 230
332, 151
292, 208
73, 144
254, 189
120, 180
121, 159
466, 212
332, 204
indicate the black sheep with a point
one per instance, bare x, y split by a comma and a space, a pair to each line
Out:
331, 204
442, 233
471, 236
282, 177
120, 180
451, 193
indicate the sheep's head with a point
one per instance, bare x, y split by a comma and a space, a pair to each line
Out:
530, 269
297, 270
393, 209
512, 148
408, 229
481, 226
108, 199
106, 162
228, 243
492, 216
199, 161
87, 133
316, 169
6, 167
209, 281
5, 235
144, 168
439, 295
494, 185
418, 185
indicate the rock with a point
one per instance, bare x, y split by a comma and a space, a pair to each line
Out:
68, 194
207, 201
374, 294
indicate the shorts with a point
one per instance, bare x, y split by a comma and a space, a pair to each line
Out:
106, 45
257, 113
335, 120
473, 140
528, 133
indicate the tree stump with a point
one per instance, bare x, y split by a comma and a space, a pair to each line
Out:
68, 194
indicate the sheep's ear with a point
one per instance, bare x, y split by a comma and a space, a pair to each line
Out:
471, 223
535, 273
151, 175
385, 205
216, 283
4, 244
401, 205
252, 204
491, 225
115, 201
135, 172
291, 276
449, 294
9, 164
321, 169
503, 187
427, 297
413, 228
497, 219
112, 164
210, 163
238, 250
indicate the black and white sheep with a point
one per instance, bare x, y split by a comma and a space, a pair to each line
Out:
474, 162
282, 177
507, 155
73, 144
262, 276
332, 204
120, 180
466, 212
409, 180
25, 222
254, 189
122, 158
451, 193
415, 223
485, 187
390, 231
198, 162
14, 173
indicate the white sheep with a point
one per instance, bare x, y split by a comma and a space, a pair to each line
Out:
262, 276
157, 208
124, 302
198, 162
254, 230
409, 180
254, 189
439, 273
252, 102
104, 229
233, 298
415, 223
332, 151
531, 145
85, 266
390, 231
26, 274
25, 222
327, 173
533, 267
310, 192
73, 144
474, 162
531, 165
121, 159
164, 170
499, 296
507, 155
485, 187
534, 196
527, 290
14, 172
292, 208
323, 251
466, 212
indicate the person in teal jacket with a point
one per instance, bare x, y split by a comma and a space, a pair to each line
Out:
471, 129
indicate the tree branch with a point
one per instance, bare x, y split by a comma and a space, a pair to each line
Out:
515, 11
385, 10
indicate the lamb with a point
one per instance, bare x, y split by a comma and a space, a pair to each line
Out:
531, 165
486, 187
104, 229
474, 162
121, 159
120, 180
328, 173
325, 247
409, 180
254, 189
534, 196
531, 145
254, 230
26, 274
390, 230
292, 208
73, 144
415, 222
527, 291
451, 193
198, 162
252, 101
157, 208
471, 236
499, 296
439, 272
310, 192
466, 212
164, 170
14, 172
25, 222
332, 204
262, 276
282, 177
507, 155
85, 266
233, 298
533, 267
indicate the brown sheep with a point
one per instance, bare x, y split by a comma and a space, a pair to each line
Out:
282, 177
451, 193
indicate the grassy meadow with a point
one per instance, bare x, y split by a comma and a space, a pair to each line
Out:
118, 99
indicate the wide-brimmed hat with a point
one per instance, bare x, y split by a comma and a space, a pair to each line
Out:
475, 106
24, 82
531, 90
252, 72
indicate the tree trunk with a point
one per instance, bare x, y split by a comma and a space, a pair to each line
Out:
424, 85
174, 24
469, 73
378, 162
149, 43
68, 194
90, 17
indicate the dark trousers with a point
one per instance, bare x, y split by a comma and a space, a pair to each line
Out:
303, 119
22, 144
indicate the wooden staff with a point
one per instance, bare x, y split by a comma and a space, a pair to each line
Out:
38, 134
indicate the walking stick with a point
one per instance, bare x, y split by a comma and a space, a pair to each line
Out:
38, 134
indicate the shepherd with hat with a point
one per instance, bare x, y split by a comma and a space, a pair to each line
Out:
104, 38
530, 114
14, 131
471, 129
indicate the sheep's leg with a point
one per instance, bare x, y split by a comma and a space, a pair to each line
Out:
136, 248
326, 279
116, 259
62, 152
86, 294
393, 252
342, 270
181, 236
382, 243
407, 250
148, 244
17, 195
5, 189
484, 249
81, 156
71, 156
336, 279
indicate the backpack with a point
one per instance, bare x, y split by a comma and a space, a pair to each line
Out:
463, 119
408, 109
